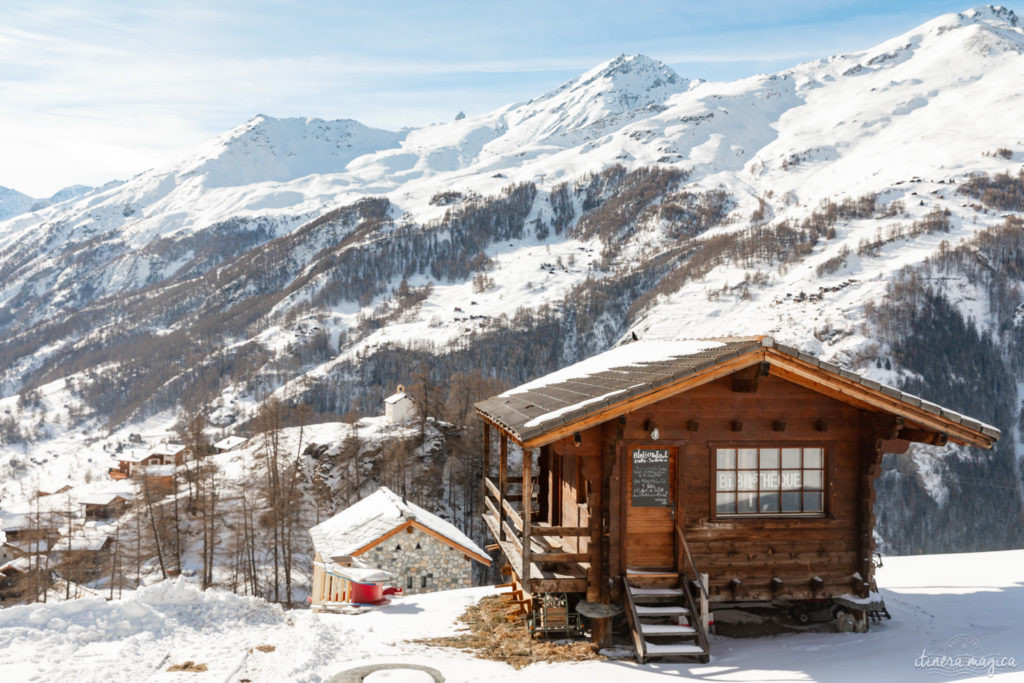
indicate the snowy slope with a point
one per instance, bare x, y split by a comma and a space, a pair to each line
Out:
941, 605
13, 203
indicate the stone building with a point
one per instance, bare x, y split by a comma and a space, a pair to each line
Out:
423, 551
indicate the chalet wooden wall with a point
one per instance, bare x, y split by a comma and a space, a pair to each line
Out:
578, 466
756, 550
751, 550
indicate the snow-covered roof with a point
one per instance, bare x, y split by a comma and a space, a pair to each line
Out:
160, 470
643, 371
91, 542
361, 524
602, 380
21, 564
14, 521
396, 397
168, 448
30, 547
229, 442
361, 574
103, 497
136, 455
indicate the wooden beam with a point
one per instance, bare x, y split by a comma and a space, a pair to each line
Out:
558, 585
544, 479
527, 512
512, 536
487, 450
923, 436
493, 525
502, 476
493, 510
745, 380
851, 392
490, 486
629, 405
560, 530
510, 513
615, 526
608, 455
561, 557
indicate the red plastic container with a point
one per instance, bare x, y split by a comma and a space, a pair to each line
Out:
367, 593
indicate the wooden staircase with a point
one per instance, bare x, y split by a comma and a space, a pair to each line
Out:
663, 617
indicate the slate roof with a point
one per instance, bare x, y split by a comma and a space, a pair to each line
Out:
641, 367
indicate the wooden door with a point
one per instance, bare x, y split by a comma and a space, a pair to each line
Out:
649, 502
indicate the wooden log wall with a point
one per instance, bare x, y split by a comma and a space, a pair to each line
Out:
753, 551
583, 483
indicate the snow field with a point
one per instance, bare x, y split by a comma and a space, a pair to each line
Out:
933, 599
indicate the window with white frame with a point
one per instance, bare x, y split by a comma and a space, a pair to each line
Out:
770, 481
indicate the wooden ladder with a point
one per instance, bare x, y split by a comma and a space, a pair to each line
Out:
663, 617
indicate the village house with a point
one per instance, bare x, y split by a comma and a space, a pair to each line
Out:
424, 552
136, 460
22, 527
13, 578
82, 557
13, 549
399, 407
667, 479
62, 489
103, 505
229, 443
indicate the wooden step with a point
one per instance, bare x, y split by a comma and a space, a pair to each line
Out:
641, 571
651, 577
668, 630
656, 592
661, 611
673, 649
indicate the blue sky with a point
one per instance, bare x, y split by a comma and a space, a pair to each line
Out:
91, 91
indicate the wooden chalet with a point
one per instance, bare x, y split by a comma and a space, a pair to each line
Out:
666, 478
104, 505
137, 460
14, 576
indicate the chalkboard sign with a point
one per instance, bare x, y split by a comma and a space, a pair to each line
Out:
650, 478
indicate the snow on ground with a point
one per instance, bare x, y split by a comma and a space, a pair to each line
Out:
941, 604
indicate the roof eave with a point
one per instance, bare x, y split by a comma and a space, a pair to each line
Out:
566, 427
846, 384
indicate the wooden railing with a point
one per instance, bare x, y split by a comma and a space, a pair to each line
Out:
514, 529
699, 615
634, 623
689, 559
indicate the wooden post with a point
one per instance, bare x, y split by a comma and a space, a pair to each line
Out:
601, 631
487, 450
527, 515
502, 482
595, 578
607, 458
705, 609
615, 526
544, 485
556, 488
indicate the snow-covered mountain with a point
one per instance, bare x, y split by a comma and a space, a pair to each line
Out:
14, 203
865, 207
